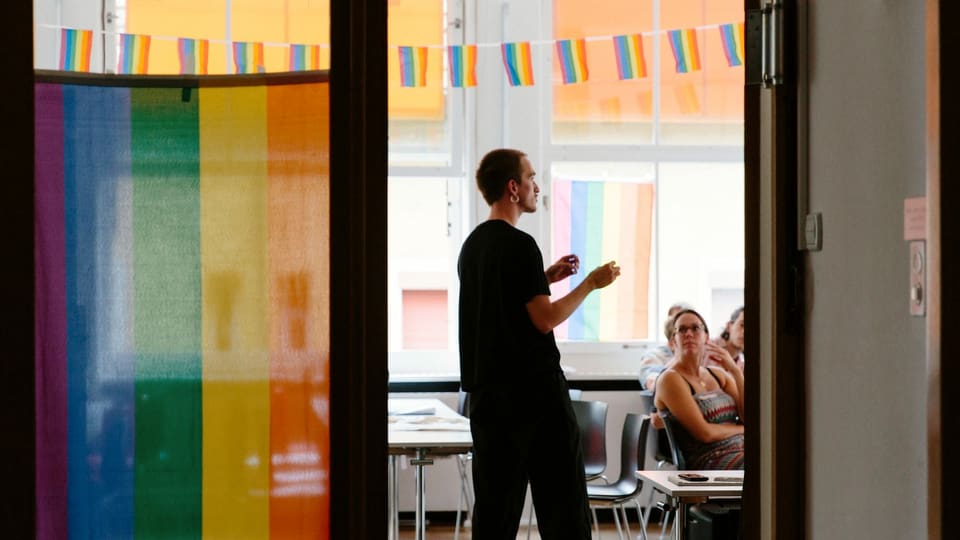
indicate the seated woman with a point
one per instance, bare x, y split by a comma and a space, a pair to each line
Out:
705, 404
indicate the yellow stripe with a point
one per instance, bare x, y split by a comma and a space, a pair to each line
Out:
612, 225
236, 370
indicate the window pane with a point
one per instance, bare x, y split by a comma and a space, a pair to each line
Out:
603, 212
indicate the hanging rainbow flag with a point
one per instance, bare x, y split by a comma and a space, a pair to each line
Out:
462, 63
304, 57
134, 54
248, 57
75, 47
413, 66
602, 221
683, 43
630, 61
732, 37
518, 63
194, 55
572, 55
182, 321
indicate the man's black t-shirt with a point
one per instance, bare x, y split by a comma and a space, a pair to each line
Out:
501, 269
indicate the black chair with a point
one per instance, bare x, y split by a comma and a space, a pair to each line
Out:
665, 454
633, 448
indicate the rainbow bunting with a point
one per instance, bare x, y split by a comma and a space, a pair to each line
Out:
683, 43
572, 55
134, 54
630, 61
517, 61
304, 57
732, 37
248, 57
413, 66
194, 55
601, 221
462, 60
182, 320
75, 47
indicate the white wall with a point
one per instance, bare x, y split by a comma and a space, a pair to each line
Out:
865, 354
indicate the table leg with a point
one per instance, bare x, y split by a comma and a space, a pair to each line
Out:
680, 522
393, 518
421, 514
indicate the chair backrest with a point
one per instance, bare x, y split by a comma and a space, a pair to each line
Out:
463, 404
675, 454
659, 443
592, 419
633, 449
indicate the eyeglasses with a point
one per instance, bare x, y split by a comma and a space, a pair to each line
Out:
693, 329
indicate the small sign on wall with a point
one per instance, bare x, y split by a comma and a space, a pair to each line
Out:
915, 218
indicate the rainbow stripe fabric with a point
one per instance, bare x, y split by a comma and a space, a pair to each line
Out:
304, 57
462, 64
731, 35
182, 321
194, 56
75, 48
518, 63
683, 43
630, 61
601, 221
134, 54
572, 55
248, 57
413, 66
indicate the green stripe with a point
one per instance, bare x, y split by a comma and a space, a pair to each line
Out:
165, 157
591, 306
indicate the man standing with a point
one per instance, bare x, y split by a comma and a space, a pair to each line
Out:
523, 425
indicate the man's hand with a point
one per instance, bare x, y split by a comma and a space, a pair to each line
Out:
604, 275
565, 267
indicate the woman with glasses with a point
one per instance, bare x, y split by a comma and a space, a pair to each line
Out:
704, 405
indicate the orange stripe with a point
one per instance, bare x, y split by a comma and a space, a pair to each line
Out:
298, 210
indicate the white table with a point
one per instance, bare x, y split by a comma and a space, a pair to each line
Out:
692, 493
423, 429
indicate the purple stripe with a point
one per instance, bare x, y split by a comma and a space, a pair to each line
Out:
50, 317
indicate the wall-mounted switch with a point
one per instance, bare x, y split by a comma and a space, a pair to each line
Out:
812, 232
918, 278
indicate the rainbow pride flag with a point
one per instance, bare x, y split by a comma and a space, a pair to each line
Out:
630, 61
462, 63
683, 43
248, 57
731, 35
304, 57
572, 55
75, 47
518, 63
194, 55
413, 66
601, 221
134, 54
182, 321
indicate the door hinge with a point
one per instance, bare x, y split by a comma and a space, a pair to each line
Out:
764, 44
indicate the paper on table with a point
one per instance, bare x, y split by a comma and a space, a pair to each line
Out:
428, 423
427, 410
713, 481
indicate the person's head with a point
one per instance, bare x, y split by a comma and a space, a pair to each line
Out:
506, 173
668, 326
733, 330
690, 332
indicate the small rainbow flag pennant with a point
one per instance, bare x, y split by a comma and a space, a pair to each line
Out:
572, 54
248, 57
304, 57
134, 54
194, 55
413, 66
685, 50
517, 61
75, 47
462, 61
630, 61
732, 37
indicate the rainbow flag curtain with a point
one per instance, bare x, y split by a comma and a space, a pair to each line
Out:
599, 222
194, 55
518, 63
134, 54
413, 66
683, 43
629, 54
182, 323
462, 64
75, 48
731, 35
572, 55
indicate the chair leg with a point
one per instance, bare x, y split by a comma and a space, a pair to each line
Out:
616, 520
530, 517
643, 522
596, 522
626, 521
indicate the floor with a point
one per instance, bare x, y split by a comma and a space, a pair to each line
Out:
445, 532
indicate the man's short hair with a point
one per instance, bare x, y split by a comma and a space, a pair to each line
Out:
496, 169
671, 311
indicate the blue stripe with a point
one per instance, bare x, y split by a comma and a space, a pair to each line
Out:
578, 246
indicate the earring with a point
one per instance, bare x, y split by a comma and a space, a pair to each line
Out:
514, 199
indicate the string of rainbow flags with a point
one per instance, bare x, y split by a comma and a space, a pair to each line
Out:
461, 60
